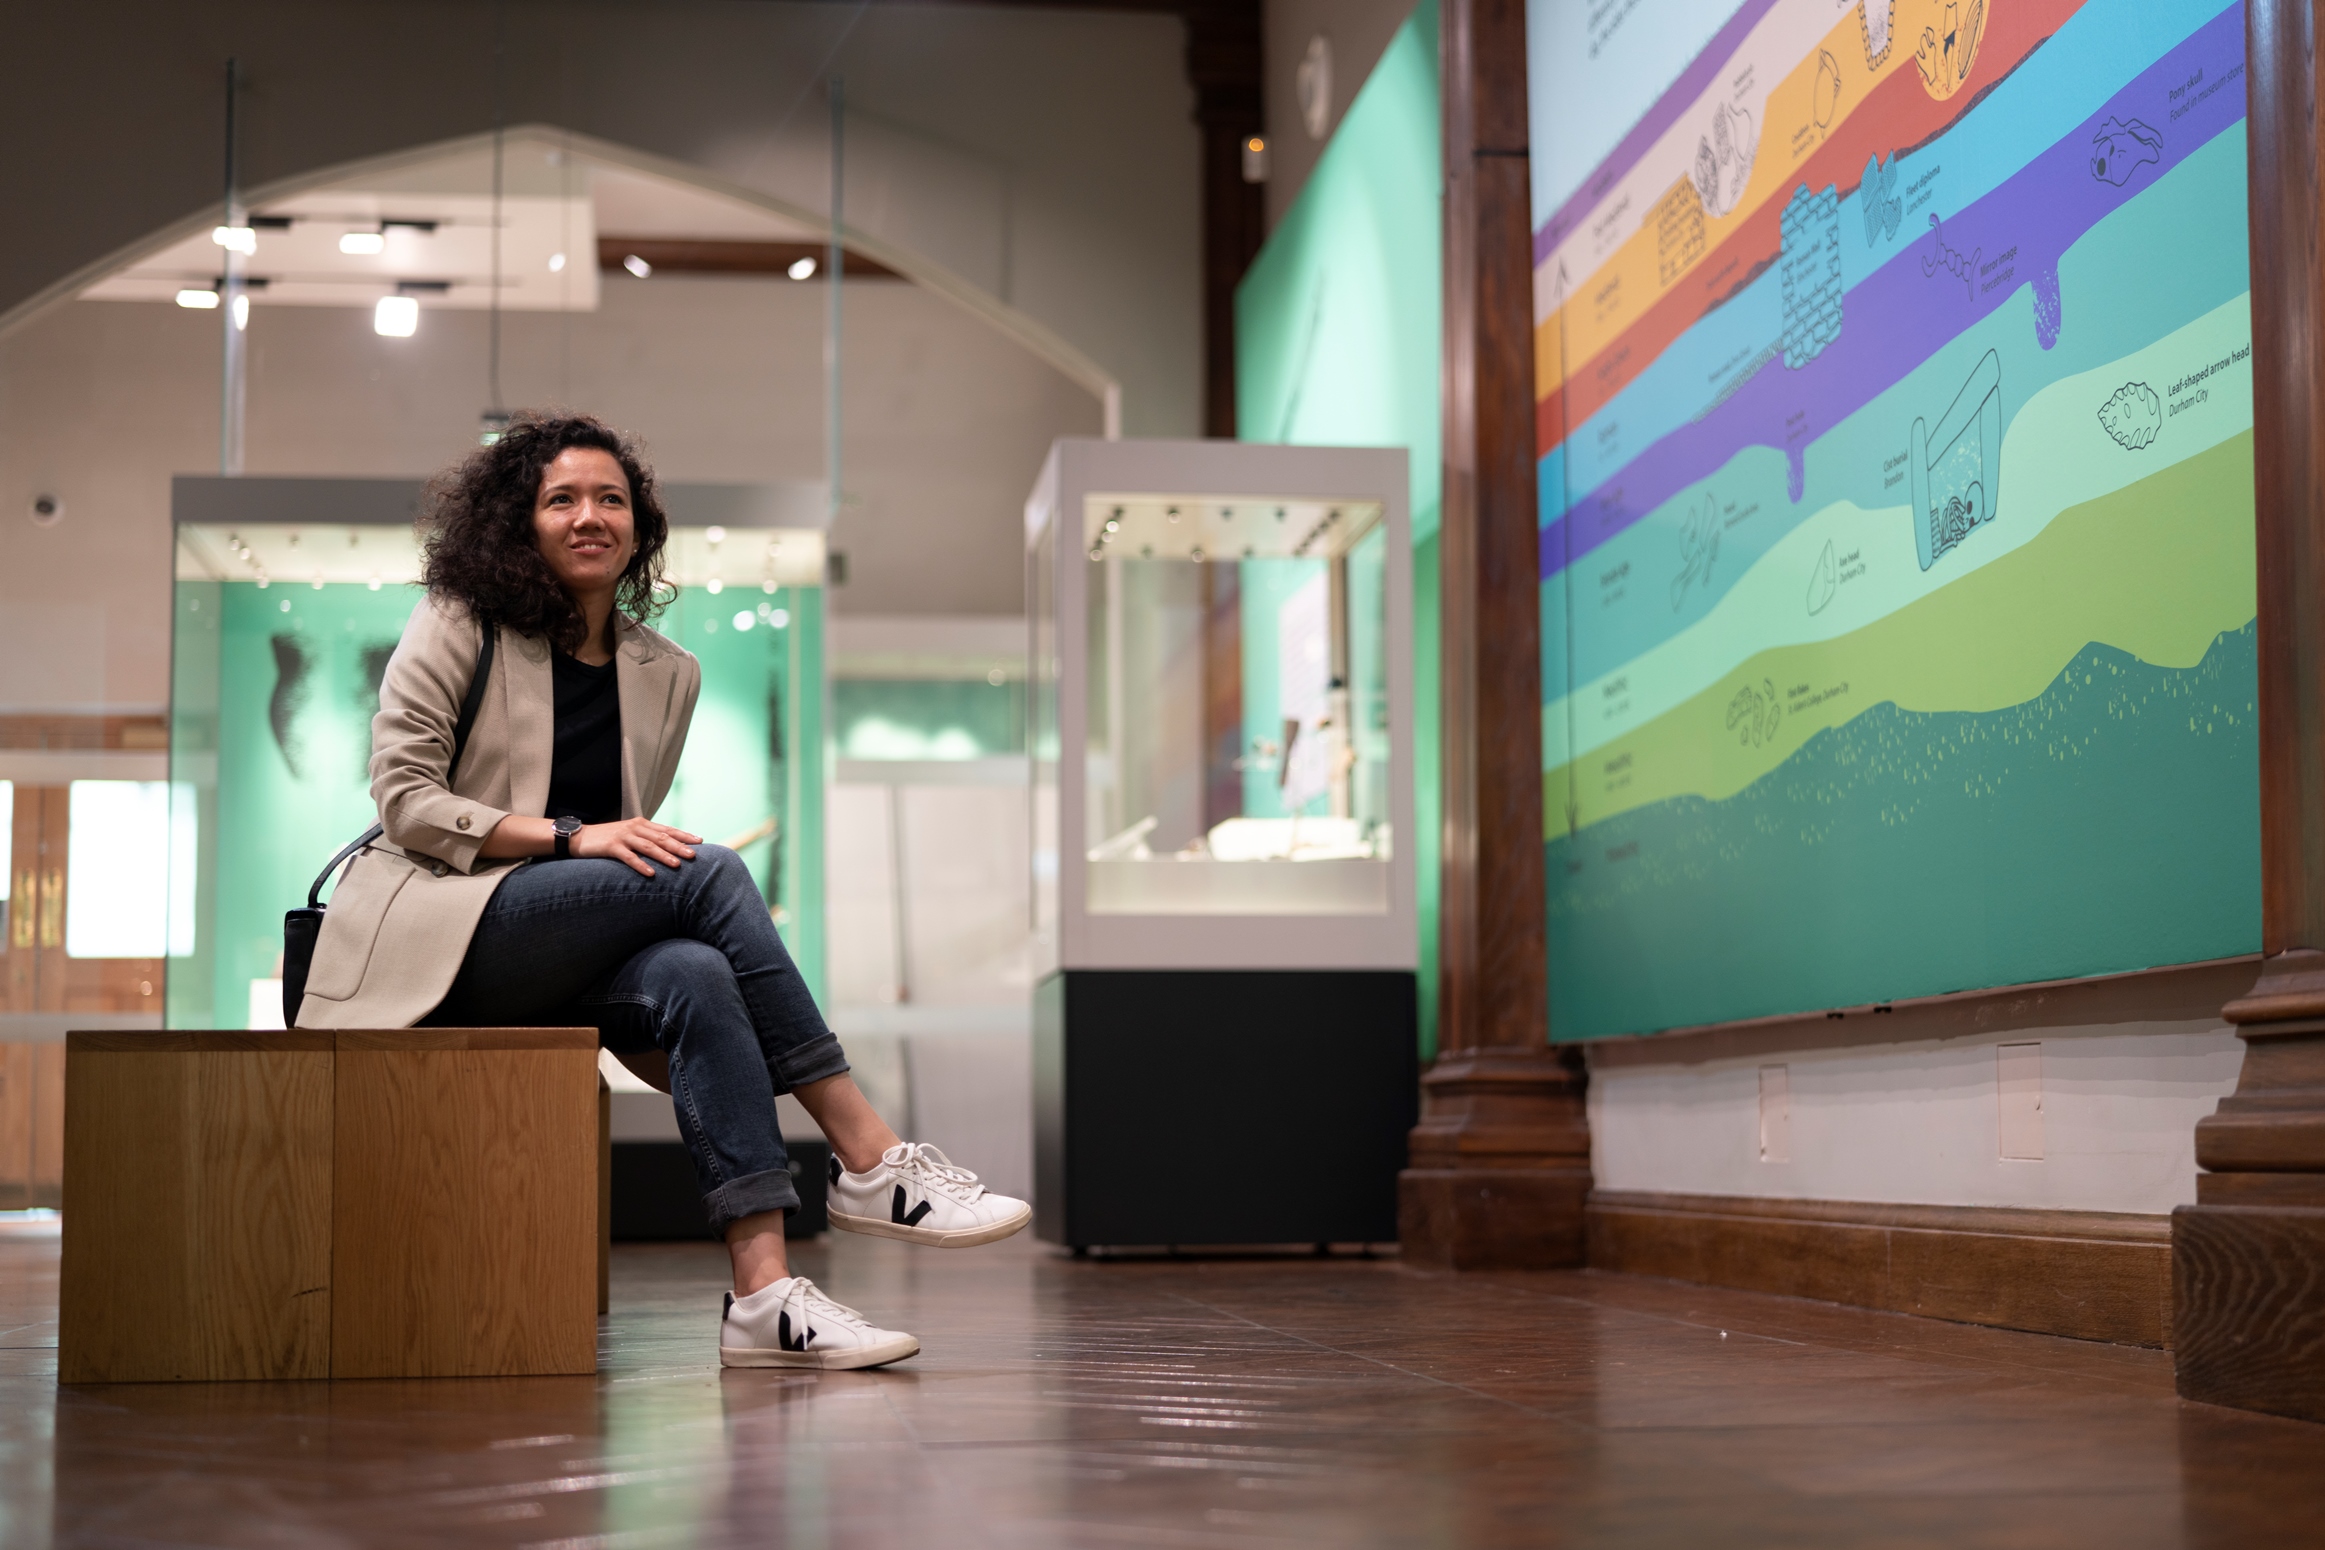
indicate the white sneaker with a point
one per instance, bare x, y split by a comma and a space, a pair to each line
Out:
918, 1195
790, 1324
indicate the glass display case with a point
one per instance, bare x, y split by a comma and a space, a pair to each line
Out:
290, 595
1224, 647
1220, 736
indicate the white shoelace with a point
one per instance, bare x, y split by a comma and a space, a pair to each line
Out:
933, 1170
812, 1298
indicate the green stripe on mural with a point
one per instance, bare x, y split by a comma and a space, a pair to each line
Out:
2158, 569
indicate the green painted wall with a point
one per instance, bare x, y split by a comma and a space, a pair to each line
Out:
1337, 330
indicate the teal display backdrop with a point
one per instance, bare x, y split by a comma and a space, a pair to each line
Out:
273, 691
1895, 425
270, 722
1336, 344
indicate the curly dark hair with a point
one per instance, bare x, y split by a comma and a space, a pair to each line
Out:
476, 528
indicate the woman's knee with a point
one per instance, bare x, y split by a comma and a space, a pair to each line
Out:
723, 874
682, 968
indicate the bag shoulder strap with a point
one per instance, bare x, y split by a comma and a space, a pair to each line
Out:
473, 703
468, 709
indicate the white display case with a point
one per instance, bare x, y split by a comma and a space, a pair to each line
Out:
1220, 658
1222, 707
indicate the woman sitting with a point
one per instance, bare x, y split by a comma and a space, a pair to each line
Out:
532, 887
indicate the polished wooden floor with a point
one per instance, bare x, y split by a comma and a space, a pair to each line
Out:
1191, 1403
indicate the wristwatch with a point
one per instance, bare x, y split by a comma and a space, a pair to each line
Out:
565, 829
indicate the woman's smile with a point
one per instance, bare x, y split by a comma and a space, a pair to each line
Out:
583, 523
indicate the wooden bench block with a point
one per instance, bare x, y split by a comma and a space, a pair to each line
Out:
465, 1203
419, 1202
198, 1243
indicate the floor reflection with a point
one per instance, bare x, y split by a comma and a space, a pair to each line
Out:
1221, 1402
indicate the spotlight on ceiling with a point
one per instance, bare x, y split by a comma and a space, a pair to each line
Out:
398, 317
200, 300
637, 266
556, 262
363, 244
235, 239
802, 269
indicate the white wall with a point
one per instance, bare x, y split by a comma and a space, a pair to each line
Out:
1046, 156
963, 896
946, 424
1917, 1123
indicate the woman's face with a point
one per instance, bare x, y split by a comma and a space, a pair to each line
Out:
582, 520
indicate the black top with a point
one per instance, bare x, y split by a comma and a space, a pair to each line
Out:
585, 776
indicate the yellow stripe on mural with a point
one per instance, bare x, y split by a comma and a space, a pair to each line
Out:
1698, 209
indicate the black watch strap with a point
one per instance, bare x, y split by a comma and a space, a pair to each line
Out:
565, 828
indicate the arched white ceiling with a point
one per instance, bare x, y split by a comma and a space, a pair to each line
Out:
1035, 337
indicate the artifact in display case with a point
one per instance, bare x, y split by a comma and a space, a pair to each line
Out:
1220, 661
291, 595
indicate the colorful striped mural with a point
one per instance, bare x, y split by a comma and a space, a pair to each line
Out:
1894, 418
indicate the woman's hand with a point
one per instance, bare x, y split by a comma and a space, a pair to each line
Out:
633, 841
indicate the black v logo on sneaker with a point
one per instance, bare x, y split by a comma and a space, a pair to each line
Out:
835, 1167
897, 1213
783, 1333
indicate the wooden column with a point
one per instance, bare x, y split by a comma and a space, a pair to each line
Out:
1501, 1158
2248, 1259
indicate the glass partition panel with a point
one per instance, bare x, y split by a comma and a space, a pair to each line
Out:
752, 775
281, 636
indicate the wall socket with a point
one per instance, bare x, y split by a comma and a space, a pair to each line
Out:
2018, 1094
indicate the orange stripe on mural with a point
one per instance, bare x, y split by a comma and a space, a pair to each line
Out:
1897, 116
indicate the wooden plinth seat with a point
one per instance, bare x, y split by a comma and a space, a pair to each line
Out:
406, 1203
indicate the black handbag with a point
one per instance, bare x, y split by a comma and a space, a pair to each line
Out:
301, 927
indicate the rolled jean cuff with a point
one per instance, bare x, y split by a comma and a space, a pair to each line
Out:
804, 1063
748, 1196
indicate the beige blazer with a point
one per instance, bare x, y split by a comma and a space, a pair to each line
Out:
398, 926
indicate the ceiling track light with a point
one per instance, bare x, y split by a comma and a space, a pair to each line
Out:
363, 244
235, 239
638, 266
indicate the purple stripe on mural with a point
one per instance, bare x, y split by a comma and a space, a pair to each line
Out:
1967, 266
1692, 83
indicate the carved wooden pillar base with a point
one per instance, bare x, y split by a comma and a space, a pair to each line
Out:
2248, 1258
1500, 1164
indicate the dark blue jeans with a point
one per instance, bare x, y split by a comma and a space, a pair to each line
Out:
685, 961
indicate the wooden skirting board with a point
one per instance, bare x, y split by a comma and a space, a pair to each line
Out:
2092, 1275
